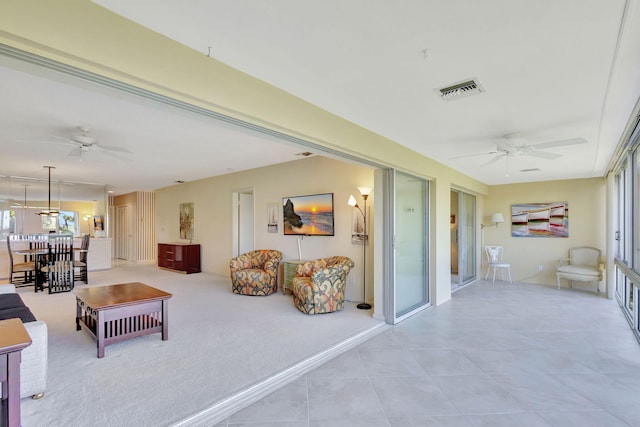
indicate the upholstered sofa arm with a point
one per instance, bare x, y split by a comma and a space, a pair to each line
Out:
7, 289
33, 368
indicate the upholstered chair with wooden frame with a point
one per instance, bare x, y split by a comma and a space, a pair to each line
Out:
319, 285
583, 265
255, 273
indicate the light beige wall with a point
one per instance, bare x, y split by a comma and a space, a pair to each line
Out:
587, 210
213, 208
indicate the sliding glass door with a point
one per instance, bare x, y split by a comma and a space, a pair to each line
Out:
408, 256
467, 238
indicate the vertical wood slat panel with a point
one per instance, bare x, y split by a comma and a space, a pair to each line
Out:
144, 226
146, 241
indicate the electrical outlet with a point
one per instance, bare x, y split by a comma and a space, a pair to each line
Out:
540, 268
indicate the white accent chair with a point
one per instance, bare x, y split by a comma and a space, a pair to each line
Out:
583, 265
494, 257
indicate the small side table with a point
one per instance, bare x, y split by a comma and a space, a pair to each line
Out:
13, 338
288, 273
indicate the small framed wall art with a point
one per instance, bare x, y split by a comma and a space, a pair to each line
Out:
186, 221
272, 217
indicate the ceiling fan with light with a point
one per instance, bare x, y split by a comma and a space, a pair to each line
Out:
84, 143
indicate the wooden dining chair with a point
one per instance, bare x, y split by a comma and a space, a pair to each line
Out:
26, 268
80, 264
59, 264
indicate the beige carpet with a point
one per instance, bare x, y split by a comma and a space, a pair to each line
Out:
219, 345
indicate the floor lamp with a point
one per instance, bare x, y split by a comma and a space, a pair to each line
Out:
364, 191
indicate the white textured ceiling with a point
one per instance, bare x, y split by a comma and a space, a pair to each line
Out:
552, 70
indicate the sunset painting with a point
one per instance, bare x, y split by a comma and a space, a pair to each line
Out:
308, 215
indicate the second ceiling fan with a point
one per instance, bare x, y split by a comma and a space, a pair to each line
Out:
513, 144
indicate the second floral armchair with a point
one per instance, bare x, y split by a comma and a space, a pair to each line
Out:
319, 285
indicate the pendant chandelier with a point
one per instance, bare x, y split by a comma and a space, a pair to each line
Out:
49, 211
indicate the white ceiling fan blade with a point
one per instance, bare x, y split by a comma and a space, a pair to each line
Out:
495, 159
473, 155
559, 143
542, 154
51, 140
60, 140
110, 148
115, 155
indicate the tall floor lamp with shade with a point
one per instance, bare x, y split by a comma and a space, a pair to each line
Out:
364, 191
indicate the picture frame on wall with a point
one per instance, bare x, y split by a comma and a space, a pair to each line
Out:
310, 215
186, 221
540, 220
272, 218
358, 232
98, 224
49, 223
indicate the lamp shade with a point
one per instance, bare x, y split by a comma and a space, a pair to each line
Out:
365, 191
352, 201
497, 217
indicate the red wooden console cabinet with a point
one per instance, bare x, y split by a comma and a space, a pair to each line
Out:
181, 257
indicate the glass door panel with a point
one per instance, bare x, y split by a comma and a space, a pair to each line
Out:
411, 243
467, 240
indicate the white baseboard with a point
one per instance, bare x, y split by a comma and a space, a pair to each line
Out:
230, 405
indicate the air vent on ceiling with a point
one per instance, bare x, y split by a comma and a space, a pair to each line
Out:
459, 90
530, 170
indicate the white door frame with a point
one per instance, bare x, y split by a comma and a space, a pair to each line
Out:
243, 221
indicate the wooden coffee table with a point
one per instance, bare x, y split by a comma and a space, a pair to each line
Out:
115, 313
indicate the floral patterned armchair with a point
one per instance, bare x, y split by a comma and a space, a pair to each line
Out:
319, 285
256, 272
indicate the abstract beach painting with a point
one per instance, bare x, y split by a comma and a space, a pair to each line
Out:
540, 219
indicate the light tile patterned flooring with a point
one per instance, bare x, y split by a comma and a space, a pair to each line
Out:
495, 355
